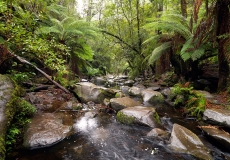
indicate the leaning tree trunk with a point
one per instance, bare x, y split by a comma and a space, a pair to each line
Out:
4, 54
223, 22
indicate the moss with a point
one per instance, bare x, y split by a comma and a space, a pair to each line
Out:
121, 117
17, 112
157, 118
2, 147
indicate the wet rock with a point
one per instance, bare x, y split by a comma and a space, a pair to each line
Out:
157, 132
129, 83
185, 141
135, 91
206, 94
220, 136
151, 96
45, 130
87, 91
125, 89
6, 89
139, 115
217, 116
121, 103
99, 80
166, 92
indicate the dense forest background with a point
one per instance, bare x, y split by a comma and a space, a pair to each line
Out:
136, 37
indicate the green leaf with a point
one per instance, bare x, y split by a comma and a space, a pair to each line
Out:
157, 52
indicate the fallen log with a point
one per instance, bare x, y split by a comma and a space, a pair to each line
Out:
22, 60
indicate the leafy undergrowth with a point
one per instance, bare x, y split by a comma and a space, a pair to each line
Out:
191, 101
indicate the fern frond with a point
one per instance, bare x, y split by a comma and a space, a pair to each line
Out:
185, 54
199, 52
157, 52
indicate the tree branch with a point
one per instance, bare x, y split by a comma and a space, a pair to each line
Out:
121, 40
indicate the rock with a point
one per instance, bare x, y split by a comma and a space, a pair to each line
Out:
157, 132
185, 141
166, 92
99, 80
151, 96
220, 136
217, 116
139, 115
154, 88
6, 90
129, 83
45, 130
135, 91
121, 103
87, 91
206, 94
125, 89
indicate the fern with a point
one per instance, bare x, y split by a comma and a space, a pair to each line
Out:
185, 55
189, 51
157, 52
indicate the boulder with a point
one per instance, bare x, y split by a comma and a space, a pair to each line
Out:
129, 83
139, 115
135, 91
217, 116
125, 89
87, 91
157, 132
151, 96
45, 130
99, 80
121, 103
6, 90
219, 136
185, 141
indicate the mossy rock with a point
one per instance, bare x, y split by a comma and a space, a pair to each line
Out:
121, 117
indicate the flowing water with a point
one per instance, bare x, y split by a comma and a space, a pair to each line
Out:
103, 138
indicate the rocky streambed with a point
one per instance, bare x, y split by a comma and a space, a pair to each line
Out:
131, 122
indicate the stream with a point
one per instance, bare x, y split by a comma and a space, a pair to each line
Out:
104, 138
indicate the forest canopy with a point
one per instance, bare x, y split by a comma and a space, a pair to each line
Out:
115, 36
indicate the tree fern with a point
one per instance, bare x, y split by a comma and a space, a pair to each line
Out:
189, 51
157, 52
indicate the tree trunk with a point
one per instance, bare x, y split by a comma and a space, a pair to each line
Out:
223, 21
183, 8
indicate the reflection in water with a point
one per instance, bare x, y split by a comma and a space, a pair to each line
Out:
101, 137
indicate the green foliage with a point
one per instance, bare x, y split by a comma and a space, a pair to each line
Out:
193, 101
20, 77
157, 52
189, 51
23, 112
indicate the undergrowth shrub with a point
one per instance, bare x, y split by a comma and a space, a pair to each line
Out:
193, 102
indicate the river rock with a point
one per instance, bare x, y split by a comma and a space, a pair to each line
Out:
121, 103
220, 136
87, 91
139, 115
217, 116
129, 83
151, 96
125, 89
185, 141
6, 90
45, 130
99, 80
157, 132
135, 91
